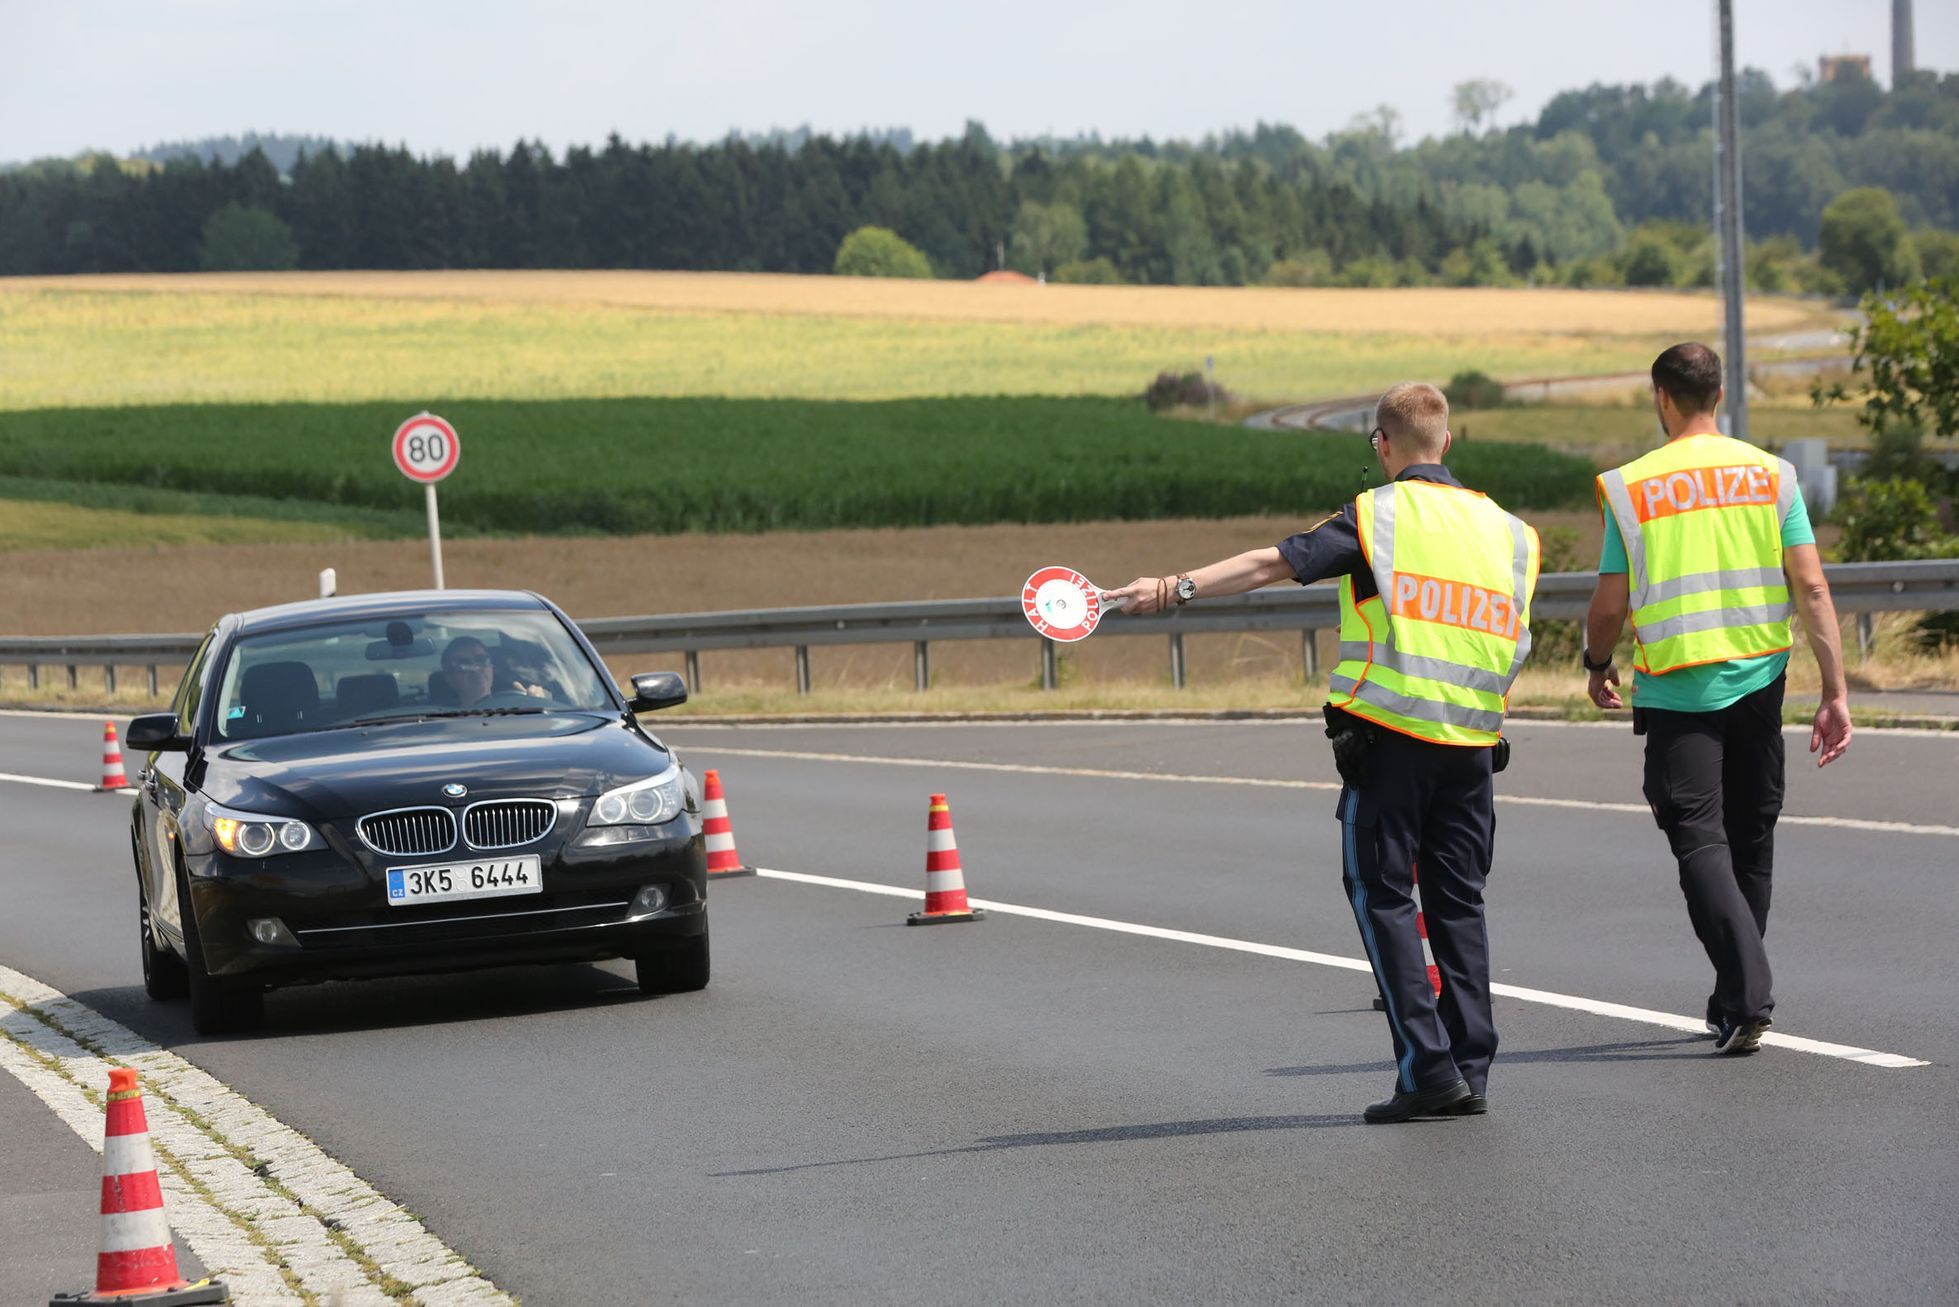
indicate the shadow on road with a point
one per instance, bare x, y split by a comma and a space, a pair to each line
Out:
342, 1006
1632, 1050
1103, 1135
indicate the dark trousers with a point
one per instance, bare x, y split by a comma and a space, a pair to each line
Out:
1715, 782
1427, 807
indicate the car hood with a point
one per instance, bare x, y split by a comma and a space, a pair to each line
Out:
344, 773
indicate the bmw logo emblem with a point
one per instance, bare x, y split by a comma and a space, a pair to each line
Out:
454, 790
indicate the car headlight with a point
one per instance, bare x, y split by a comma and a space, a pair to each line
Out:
649, 802
254, 835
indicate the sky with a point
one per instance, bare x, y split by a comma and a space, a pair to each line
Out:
450, 76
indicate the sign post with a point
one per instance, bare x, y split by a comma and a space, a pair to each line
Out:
426, 450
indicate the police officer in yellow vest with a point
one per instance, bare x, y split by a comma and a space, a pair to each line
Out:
1435, 590
1706, 541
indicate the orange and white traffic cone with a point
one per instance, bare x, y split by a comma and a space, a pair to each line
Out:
1428, 954
113, 777
945, 881
722, 860
137, 1264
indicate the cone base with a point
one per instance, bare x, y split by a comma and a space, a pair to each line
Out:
124, 788
184, 1295
945, 918
728, 873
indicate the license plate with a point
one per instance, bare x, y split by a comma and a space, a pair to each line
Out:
446, 882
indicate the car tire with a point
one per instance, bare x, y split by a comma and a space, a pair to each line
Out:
219, 1005
164, 973
680, 967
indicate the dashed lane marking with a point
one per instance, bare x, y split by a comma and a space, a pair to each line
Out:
1097, 773
262, 1206
1619, 1011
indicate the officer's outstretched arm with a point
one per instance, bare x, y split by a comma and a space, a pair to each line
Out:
1231, 576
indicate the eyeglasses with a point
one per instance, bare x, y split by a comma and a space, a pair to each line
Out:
469, 665
1374, 439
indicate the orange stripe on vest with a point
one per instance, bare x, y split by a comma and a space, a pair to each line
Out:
1454, 603
1692, 489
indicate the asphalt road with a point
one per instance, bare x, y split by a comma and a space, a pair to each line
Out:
1033, 1110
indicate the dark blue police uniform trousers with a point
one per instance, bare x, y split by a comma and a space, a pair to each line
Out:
1427, 809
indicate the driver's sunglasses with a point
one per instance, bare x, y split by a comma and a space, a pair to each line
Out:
1374, 439
469, 664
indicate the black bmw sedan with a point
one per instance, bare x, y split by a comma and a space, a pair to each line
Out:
397, 783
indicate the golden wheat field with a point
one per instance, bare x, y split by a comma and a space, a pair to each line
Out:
327, 337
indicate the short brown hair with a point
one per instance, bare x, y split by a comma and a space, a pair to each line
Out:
1690, 374
1416, 414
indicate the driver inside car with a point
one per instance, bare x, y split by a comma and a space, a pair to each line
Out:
472, 674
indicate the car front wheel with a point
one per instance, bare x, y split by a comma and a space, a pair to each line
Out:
219, 1005
680, 967
164, 973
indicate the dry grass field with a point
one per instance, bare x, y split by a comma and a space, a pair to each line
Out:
334, 337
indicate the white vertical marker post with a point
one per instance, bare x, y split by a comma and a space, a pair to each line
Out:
426, 450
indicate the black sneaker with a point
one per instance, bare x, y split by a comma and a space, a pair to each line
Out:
1740, 1037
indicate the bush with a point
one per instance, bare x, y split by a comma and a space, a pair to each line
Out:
880, 252
1474, 389
1650, 260
1189, 390
1863, 240
1097, 271
1312, 268
241, 239
1886, 518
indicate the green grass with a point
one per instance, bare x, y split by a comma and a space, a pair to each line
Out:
37, 513
1585, 426
664, 465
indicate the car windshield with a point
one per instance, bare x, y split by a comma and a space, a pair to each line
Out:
319, 678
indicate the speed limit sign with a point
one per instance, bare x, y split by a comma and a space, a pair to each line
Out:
426, 448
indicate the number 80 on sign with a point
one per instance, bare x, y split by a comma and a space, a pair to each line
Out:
426, 448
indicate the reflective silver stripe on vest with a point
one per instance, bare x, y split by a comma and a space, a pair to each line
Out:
1619, 499
1738, 578
1786, 491
1519, 596
1434, 669
1713, 619
1428, 710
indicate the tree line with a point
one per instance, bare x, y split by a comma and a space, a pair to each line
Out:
1609, 185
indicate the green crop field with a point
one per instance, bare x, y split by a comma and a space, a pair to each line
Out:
1591, 426
663, 465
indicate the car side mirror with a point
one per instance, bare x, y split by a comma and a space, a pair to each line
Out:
156, 732
655, 690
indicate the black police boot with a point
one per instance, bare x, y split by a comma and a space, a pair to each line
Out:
1440, 1101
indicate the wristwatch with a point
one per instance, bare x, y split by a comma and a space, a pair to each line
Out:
1585, 657
1186, 589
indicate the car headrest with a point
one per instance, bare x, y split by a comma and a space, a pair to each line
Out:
440, 691
359, 695
277, 696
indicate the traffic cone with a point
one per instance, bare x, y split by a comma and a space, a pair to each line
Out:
137, 1263
945, 882
113, 776
1428, 954
722, 860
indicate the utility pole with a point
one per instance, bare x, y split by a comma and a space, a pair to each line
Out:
1903, 59
1727, 219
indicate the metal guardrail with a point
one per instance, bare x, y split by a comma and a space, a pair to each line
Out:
1860, 588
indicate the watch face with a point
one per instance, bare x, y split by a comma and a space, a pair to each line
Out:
1186, 588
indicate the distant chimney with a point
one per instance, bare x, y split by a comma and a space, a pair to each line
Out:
1902, 62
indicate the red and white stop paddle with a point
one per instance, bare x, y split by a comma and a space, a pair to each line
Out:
1062, 604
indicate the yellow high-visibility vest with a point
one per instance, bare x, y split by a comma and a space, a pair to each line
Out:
1433, 654
1701, 517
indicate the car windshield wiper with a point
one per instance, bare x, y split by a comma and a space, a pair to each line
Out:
392, 719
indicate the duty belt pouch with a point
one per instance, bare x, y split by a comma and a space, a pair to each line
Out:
1353, 743
1639, 722
1499, 755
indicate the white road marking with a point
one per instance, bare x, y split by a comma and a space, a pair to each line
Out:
1596, 1007
1097, 773
303, 1209
47, 781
